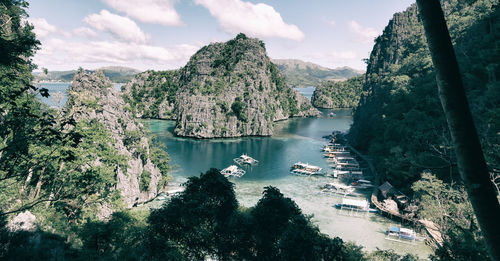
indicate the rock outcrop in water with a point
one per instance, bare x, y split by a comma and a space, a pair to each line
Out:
92, 98
227, 89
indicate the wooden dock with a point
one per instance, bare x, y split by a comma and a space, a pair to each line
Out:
431, 229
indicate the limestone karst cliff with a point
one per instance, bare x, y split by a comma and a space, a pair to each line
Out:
226, 89
92, 98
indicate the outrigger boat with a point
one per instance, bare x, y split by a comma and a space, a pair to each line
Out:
355, 205
401, 234
232, 171
362, 184
245, 160
304, 169
337, 188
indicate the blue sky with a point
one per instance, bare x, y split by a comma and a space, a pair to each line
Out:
163, 34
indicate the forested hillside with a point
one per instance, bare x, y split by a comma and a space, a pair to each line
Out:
338, 94
399, 121
298, 73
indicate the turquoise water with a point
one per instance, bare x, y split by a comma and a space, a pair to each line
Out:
297, 139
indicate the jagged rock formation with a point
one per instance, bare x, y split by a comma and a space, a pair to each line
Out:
92, 98
227, 89
399, 120
334, 94
302, 74
152, 94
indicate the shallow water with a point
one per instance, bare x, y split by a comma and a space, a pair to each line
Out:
297, 139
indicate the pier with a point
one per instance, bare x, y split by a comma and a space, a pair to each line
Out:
431, 229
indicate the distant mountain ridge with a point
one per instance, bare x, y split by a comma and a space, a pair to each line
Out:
119, 74
299, 73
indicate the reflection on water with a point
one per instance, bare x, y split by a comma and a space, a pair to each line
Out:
297, 139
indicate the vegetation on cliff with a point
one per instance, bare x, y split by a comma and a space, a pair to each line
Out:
63, 167
400, 122
151, 94
225, 90
338, 94
298, 73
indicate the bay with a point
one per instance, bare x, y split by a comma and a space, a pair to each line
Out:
296, 139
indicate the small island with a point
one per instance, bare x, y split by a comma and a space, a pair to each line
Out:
229, 89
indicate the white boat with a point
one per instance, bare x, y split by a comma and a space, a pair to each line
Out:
232, 171
337, 188
396, 233
355, 205
362, 184
304, 169
245, 160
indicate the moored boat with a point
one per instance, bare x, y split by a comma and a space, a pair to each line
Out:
400, 233
245, 160
337, 188
304, 169
232, 171
356, 205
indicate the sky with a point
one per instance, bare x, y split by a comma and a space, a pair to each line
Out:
163, 34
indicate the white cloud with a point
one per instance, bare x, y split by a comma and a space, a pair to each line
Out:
331, 22
148, 11
42, 27
120, 27
257, 20
57, 53
364, 34
85, 32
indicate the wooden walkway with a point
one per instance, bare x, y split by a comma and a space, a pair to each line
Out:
430, 227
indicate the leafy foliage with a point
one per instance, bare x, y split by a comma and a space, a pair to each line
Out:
335, 94
400, 121
205, 221
449, 208
146, 95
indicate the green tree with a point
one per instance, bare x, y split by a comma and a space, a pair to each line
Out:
197, 220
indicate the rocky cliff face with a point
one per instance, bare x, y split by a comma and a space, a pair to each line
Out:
399, 120
227, 89
92, 98
152, 94
232, 89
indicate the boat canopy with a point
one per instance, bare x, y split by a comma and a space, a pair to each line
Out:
355, 202
394, 229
